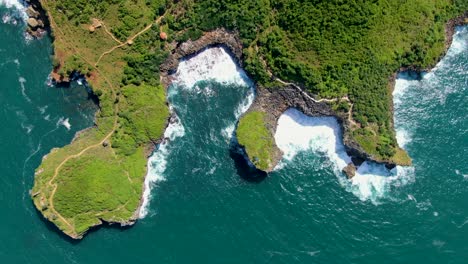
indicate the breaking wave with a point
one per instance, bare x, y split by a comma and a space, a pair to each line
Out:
212, 64
298, 132
18, 5
157, 163
64, 122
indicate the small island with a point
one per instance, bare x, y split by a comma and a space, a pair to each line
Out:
324, 58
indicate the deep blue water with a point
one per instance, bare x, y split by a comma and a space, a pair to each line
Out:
203, 211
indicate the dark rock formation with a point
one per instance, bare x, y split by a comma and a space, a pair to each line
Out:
350, 170
190, 48
275, 101
38, 22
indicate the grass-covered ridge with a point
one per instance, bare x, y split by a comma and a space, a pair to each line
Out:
259, 143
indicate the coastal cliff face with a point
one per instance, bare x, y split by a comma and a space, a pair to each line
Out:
38, 22
190, 48
273, 102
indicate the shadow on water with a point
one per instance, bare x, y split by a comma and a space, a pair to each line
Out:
78, 80
245, 169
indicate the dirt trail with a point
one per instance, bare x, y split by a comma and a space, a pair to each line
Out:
129, 41
345, 98
109, 33
57, 169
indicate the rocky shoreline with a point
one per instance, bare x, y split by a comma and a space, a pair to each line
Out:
275, 101
38, 21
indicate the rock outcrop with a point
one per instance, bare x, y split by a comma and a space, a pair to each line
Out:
273, 101
38, 22
191, 48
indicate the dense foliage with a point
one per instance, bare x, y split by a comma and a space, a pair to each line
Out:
143, 118
333, 48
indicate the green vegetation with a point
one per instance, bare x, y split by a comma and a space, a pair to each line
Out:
143, 120
333, 48
100, 175
259, 143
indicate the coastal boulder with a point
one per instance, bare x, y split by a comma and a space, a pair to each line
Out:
31, 12
350, 170
33, 23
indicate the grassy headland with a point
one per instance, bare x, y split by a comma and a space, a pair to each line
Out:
100, 175
253, 132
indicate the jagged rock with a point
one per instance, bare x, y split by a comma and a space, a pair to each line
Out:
350, 170
217, 37
33, 23
32, 13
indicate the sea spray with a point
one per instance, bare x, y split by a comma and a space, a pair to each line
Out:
212, 64
298, 132
157, 163
17, 5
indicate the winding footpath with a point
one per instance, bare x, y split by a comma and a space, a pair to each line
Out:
128, 42
116, 110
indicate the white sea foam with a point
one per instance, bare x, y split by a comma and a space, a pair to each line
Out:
404, 82
157, 164
215, 64
64, 122
22, 82
43, 109
210, 64
228, 131
459, 43
297, 132
12, 4
15, 4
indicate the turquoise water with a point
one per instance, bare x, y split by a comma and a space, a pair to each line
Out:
203, 211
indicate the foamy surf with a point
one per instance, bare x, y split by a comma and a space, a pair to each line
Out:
22, 82
298, 132
403, 84
157, 164
212, 64
64, 122
12, 4
17, 5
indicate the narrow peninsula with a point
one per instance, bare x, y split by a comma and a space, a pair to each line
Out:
324, 58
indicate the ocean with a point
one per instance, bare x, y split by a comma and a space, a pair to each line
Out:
200, 207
